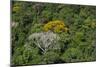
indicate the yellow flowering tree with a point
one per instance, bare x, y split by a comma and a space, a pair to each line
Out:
55, 26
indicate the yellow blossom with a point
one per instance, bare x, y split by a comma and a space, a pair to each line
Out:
55, 26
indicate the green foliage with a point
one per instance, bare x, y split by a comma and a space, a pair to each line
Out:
50, 57
26, 55
76, 34
36, 28
72, 55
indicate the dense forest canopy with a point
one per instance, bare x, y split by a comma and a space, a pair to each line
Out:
46, 33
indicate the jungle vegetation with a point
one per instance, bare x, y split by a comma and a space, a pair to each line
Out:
48, 33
